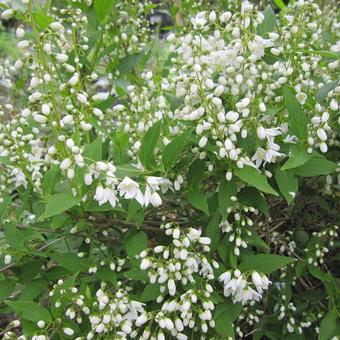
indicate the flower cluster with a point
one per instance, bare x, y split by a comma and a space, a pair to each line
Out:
179, 261
119, 135
236, 285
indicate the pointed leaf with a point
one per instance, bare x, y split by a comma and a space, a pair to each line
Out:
297, 156
298, 120
173, 149
59, 203
316, 166
265, 263
198, 200
135, 243
30, 310
71, 261
225, 191
254, 178
149, 144
287, 183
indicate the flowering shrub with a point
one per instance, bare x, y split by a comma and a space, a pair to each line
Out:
184, 187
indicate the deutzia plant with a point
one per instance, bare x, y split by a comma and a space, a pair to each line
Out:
169, 169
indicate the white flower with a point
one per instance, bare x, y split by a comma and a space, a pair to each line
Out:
145, 264
194, 234
7, 14
20, 32
261, 133
61, 58
155, 199
157, 183
334, 106
203, 141
88, 179
151, 197
128, 188
56, 26
204, 240
268, 156
7, 259
172, 287
322, 134
199, 21
65, 164
40, 119
256, 277
105, 195
68, 331
142, 319
41, 324
225, 277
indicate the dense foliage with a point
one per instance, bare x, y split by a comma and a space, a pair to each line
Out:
169, 181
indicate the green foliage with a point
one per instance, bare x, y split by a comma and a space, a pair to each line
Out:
174, 179
149, 144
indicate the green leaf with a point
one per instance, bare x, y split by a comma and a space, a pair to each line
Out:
71, 261
224, 326
4, 204
173, 149
233, 309
150, 293
149, 144
55, 273
107, 275
297, 156
120, 147
29, 270
225, 191
328, 325
137, 274
6, 288
129, 62
213, 231
41, 19
318, 273
254, 178
253, 198
33, 289
14, 236
265, 263
59, 221
135, 243
195, 173
325, 89
198, 200
59, 203
30, 310
255, 241
269, 22
279, 3
94, 150
287, 183
5, 160
127, 170
316, 166
51, 178
103, 7
297, 120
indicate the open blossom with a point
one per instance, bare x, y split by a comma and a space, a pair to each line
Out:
267, 156
215, 104
130, 189
237, 286
158, 183
105, 195
152, 197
